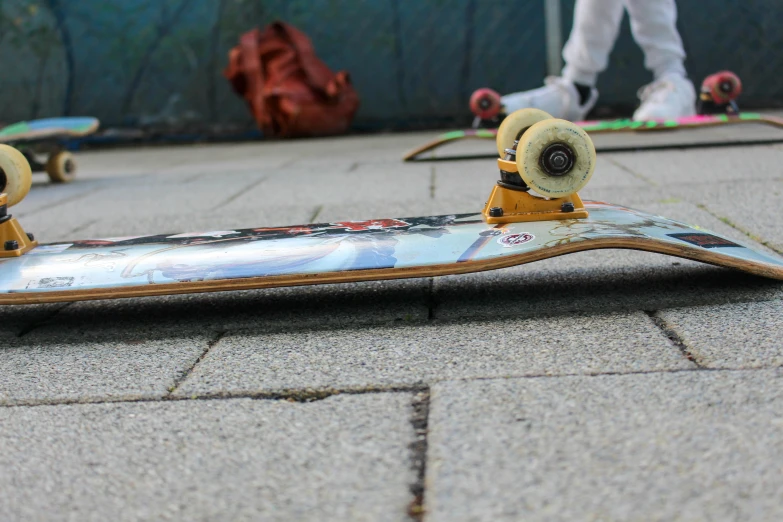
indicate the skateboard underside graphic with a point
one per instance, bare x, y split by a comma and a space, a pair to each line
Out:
37, 138
346, 252
25, 131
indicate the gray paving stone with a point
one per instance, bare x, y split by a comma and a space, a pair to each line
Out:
16, 320
342, 458
712, 165
168, 159
406, 355
366, 183
665, 446
55, 364
739, 335
751, 206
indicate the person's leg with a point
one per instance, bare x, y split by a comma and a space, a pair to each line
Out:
593, 34
654, 26
571, 96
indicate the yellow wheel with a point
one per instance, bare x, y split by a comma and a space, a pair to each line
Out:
555, 158
61, 167
15, 174
514, 125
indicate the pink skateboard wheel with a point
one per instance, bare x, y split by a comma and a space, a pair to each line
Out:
722, 87
485, 103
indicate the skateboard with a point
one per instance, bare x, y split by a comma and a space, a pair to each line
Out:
716, 105
45, 137
533, 212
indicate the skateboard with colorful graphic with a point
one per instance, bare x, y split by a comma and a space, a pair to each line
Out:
45, 137
716, 106
533, 213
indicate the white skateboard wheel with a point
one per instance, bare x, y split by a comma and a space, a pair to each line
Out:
514, 125
16, 178
555, 158
61, 167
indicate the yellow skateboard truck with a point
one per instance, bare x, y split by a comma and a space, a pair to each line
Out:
14, 241
15, 182
537, 152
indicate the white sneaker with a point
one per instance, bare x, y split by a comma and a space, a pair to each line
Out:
558, 97
668, 98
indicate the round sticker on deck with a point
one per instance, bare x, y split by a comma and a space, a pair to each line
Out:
516, 239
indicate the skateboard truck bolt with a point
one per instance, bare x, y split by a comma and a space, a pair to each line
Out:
30, 236
11, 244
496, 212
567, 207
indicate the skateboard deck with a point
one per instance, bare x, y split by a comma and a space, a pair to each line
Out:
599, 127
347, 251
36, 130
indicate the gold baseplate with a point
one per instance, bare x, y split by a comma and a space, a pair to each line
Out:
14, 241
508, 205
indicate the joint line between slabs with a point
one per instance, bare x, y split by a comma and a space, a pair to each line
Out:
35, 324
299, 396
418, 448
316, 211
183, 377
673, 336
240, 193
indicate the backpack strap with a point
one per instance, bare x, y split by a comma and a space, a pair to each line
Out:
318, 75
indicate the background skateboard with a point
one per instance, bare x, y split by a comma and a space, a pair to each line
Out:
716, 105
45, 137
602, 127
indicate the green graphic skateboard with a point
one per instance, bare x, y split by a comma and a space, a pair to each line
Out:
45, 137
598, 127
716, 106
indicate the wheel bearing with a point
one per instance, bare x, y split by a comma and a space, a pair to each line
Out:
557, 159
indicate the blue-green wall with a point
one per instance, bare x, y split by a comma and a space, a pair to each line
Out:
414, 62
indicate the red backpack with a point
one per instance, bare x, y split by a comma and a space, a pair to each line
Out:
289, 90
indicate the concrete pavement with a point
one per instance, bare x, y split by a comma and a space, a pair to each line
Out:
607, 385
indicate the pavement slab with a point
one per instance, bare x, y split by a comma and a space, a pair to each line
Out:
421, 354
749, 206
341, 458
51, 364
738, 335
663, 446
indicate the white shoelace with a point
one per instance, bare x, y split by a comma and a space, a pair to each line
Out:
648, 92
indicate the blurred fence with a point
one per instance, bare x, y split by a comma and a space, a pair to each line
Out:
158, 63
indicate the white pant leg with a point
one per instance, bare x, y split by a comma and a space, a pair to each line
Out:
654, 27
595, 29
